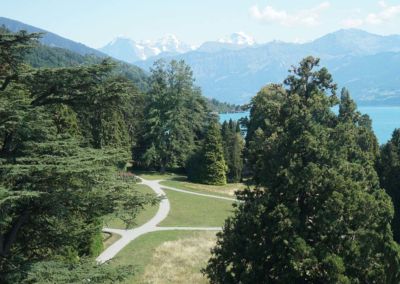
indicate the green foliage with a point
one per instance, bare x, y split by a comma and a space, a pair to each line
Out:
389, 175
63, 133
233, 144
208, 165
96, 241
174, 117
84, 271
317, 214
104, 105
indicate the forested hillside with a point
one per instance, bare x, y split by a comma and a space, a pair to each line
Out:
49, 38
52, 57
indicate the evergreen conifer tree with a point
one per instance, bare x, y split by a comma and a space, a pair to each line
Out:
389, 175
213, 162
317, 214
208, 164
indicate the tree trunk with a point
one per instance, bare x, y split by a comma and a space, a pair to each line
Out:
8, 239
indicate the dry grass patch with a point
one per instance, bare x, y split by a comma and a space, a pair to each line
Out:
180, 261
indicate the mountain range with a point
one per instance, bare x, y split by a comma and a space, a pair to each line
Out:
234, 68
129, 50
367, 64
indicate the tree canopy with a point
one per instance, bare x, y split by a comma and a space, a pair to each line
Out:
317, 214
208, 164
175, 116
389, 175
64, 135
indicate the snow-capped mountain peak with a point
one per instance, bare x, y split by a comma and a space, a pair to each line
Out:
126, 49
238, 38
170, 43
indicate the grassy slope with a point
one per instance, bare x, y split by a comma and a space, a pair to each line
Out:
177, 256
196, 211
224, 190
181, 182
141, 252
149, 211
166, 262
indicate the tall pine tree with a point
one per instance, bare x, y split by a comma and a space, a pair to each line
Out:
389, 175
233, 144
317, 214
208, 165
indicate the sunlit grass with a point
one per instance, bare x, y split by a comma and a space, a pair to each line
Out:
196, 211
224, 190
147, 252
180, 261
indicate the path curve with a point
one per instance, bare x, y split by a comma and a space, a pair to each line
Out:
151, 226
197, 193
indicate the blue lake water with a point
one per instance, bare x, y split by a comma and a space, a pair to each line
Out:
384, 120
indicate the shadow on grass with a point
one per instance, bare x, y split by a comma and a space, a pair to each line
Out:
179, 178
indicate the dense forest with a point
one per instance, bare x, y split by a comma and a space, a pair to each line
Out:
319, 202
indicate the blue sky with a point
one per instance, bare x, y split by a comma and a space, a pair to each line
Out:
96, 22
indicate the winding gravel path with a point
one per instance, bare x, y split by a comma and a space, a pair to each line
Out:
151, 226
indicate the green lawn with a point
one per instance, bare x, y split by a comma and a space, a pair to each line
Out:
188, 210
140, 252
170, 256
223, 190
149, 211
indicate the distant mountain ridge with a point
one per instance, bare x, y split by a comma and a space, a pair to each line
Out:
130, 51
235, 41
49, 38
235, 68
368, 64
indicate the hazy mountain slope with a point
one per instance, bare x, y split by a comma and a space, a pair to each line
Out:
50, 39
354, 42
235, 41
365, 63
372, 79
